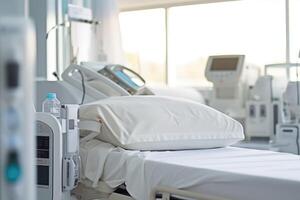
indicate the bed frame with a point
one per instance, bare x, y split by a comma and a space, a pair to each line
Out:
159, 193
166, 193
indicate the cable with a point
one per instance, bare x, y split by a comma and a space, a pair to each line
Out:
56, 75
83, 86
55, 27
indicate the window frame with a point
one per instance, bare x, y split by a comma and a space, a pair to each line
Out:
151, 4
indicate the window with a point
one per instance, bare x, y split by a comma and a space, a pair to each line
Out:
294, 37
295, 29
144, 41
242, 27
255, 28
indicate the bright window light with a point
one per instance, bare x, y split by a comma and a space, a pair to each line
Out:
295, 29
144, 42
255, 28
295, 38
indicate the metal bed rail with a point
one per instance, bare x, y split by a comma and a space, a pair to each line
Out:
159, 193
167, 193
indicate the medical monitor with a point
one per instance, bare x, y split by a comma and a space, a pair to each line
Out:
224, 64
224, 69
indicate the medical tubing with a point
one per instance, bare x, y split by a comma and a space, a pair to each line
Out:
53, 28
56, 76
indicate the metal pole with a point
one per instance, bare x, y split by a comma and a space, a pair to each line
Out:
167, 46
287, 24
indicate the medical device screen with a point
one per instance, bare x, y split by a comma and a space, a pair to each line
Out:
43, 143
124, 77
134, 83
224, 64
43, 175
42, 147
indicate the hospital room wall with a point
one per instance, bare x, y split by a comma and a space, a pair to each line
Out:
44, 16
14, 7
39, 13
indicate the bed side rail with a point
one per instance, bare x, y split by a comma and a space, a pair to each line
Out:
166, 193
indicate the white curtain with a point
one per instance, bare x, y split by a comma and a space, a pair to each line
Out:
109, 45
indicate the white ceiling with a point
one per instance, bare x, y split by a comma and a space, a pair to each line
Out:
143, 4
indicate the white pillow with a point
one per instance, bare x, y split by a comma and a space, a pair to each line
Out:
161, 123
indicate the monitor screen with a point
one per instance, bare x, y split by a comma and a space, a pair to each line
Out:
224, 64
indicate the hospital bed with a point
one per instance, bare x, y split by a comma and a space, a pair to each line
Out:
113, 173
215, 174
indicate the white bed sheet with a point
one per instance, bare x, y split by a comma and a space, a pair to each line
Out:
232, 173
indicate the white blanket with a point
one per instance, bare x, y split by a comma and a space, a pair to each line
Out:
231, 173
94, 154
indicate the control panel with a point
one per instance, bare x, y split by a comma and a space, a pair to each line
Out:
44, 153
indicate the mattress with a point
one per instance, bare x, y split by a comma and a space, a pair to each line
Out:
231, 173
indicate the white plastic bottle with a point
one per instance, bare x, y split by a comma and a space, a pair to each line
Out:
52, 105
